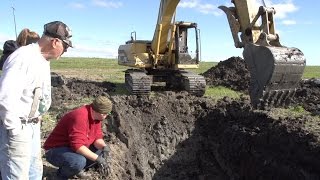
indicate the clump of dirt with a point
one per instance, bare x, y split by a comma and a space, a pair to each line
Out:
232, 73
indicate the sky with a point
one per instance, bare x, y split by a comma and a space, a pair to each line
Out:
99, 27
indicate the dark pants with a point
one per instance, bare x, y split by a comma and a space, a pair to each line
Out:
69, 162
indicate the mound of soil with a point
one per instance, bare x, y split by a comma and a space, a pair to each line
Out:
178, 136
232, 73
67, 90
308, 95
253, 145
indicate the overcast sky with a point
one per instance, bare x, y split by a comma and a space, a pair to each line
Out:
100, 26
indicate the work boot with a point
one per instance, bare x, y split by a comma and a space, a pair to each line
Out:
83, 175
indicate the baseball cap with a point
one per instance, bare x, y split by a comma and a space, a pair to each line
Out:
60, 30
102, 104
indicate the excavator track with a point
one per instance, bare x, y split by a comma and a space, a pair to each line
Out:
137, 82
193, 83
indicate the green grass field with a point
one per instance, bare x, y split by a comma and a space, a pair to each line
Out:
100, 65
108, 70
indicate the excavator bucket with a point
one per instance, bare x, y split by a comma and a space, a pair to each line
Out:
275, 74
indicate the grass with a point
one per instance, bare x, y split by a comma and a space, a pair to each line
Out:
90, 68
311, 72
220, 92
108, 70
101, 69
293, 111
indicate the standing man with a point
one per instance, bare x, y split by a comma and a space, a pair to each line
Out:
77, 141
25, 94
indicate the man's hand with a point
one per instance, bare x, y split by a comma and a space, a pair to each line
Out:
103, 165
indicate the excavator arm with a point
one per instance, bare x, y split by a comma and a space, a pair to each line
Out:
164, 25
171, 37
275, 69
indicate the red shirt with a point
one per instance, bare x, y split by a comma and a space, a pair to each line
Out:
75, 129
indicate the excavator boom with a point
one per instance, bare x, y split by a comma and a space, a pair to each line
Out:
275, 70
164, 25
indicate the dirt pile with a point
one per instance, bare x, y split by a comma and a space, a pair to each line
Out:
67, 90
253, 145
160, 139
308, 95
232, 73
177, 136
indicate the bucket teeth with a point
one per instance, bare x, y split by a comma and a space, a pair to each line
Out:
276, 98
275, 74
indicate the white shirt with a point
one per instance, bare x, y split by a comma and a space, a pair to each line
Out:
23, 70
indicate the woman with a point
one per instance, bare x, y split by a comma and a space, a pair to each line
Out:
25, 37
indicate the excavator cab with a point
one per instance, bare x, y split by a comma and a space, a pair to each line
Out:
187, 51
275, 70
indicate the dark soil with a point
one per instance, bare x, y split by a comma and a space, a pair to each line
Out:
308, 95
177, 136
233, 73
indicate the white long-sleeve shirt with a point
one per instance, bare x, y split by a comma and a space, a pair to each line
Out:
24, 69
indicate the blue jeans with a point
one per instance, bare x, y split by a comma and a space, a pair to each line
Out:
20, 155
69, 162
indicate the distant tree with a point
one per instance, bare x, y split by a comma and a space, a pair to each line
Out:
1, 51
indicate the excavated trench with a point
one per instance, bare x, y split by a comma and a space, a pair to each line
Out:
177, 136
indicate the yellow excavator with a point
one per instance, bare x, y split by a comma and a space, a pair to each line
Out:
275, 70
162, 62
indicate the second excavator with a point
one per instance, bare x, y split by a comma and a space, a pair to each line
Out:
275, 70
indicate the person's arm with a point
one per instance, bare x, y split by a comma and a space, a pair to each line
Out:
78, 128
99, 144
86, 152
13, 81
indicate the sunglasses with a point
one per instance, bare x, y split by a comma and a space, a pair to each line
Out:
65, 45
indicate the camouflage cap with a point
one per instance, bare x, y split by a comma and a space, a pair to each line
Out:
60, 30
102, 104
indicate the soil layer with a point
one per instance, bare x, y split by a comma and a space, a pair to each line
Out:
173, 135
